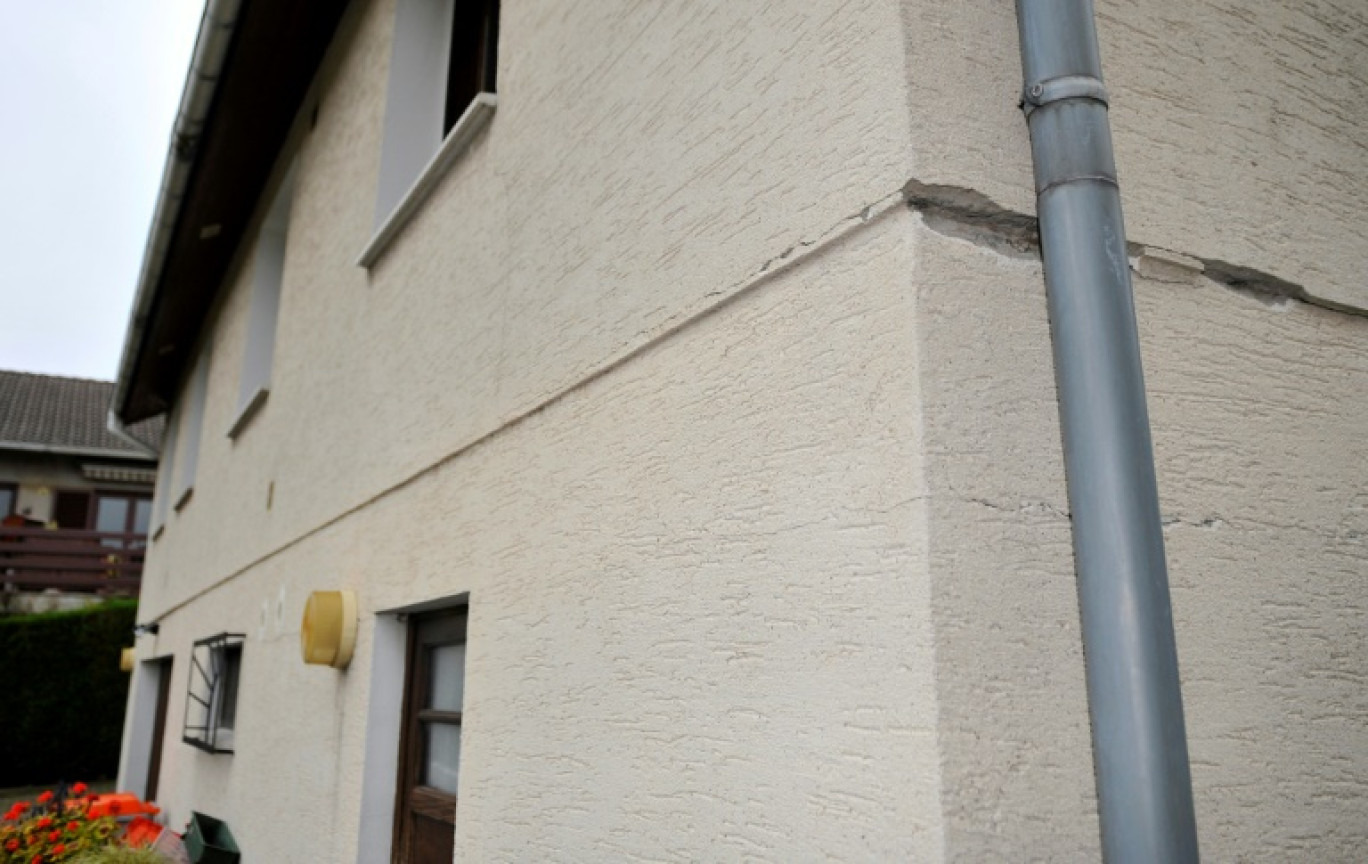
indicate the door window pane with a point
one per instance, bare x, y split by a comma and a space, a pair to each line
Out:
6, 501
443, 762
142, 515
111, 514
448, 677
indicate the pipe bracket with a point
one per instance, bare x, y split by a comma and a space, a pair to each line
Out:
1041, 93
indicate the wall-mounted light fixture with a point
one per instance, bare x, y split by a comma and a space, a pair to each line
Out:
126, 658
327, 636
149, 629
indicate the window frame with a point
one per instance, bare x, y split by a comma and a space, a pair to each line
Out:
413, 798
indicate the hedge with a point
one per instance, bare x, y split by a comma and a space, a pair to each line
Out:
62, 694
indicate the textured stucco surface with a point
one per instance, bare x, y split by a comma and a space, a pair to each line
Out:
755, 488
700, 618
1259, 435
645, 162
1239, 126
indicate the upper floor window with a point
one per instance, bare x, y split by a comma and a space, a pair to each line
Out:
268, 271
191, 425
166, 472
443, 65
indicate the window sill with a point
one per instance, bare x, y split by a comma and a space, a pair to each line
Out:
250, 410
474, 118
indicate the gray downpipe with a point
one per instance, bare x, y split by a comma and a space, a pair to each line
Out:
1144, 788
217, 25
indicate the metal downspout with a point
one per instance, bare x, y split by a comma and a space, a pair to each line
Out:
217, 25
1144, 788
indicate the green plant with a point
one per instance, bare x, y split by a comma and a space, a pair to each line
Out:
119, 855
64, 696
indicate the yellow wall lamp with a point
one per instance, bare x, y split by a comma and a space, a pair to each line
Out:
327, 636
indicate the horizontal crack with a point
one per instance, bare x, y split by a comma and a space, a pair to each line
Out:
967, 214
970, 215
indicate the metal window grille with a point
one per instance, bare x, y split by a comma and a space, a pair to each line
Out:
211, 697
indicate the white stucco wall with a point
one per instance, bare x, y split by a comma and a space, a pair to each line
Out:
1258, 426
700, 618
753, 480
1238, 125
689, 523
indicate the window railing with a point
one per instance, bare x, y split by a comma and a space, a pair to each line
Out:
104, 562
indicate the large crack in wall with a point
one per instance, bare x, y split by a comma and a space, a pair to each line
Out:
967, 214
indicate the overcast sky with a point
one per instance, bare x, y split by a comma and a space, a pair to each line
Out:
88, 91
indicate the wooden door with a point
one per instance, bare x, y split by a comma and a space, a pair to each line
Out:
430, 750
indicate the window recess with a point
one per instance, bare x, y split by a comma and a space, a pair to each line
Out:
211, 697
443, 64
268, 272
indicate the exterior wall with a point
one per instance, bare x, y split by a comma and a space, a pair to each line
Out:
1257, 421
697, 586
40, 475
677, 475
1237, 130
1228, 117
753, 479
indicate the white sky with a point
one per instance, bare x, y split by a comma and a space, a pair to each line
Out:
88, 92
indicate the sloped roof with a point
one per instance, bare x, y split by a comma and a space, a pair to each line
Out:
65, 415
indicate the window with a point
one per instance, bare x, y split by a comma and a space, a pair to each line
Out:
8, 494
165, 474
211, 699
122, 512
193, 424
443, 65
267, 271
430, 747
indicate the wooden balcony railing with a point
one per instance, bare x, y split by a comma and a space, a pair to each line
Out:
34, 559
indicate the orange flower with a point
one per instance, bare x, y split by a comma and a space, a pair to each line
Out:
45, 822
58, 849
54, 836
79, 788
45, 798
73, 826
11, 845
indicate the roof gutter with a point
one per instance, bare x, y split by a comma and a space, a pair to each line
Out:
1144, 786
144, 451
124, 434
211, 47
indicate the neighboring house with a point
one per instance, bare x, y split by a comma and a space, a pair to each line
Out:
75, 499
683, 419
